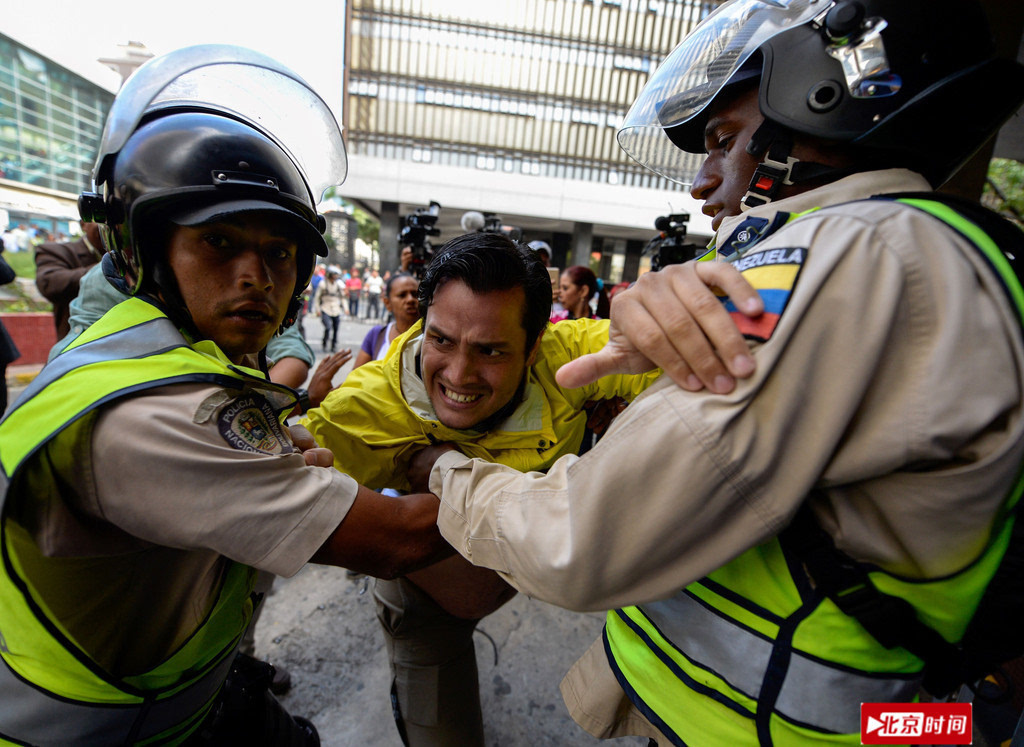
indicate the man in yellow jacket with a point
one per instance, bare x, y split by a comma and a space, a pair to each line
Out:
477, 370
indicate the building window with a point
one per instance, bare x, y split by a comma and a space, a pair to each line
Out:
50, 121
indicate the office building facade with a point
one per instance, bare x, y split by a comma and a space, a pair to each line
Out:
51, 120
527, 89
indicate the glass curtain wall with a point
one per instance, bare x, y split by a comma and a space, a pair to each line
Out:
50, 121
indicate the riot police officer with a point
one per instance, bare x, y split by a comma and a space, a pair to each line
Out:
147, 470
880, 434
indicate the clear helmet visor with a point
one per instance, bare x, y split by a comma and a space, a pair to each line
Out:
243, 84
696, 70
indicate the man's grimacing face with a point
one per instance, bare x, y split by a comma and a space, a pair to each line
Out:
236, 276
474, 352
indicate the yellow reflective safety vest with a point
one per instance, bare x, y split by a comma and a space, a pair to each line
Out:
51, 691
755, 654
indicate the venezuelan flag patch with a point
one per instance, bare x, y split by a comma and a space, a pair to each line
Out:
773, 273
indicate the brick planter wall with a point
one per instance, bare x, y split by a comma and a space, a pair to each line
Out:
33, 333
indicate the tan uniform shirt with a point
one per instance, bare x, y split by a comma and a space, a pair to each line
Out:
153, 495
892, 382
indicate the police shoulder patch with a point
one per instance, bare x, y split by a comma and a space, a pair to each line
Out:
248, 423
773, 273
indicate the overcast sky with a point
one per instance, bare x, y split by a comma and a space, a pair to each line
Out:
306, 35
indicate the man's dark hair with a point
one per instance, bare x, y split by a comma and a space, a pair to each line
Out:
492, 262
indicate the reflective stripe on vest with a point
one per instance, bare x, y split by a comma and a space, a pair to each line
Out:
87, 724
741, 656
50, 691
709, 667
752, 655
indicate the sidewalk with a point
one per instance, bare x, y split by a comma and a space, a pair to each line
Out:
22, 375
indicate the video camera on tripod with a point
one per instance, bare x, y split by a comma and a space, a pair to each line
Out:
416, 228
669, 247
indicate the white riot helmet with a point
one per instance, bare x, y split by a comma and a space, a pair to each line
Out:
206, 132
911, 82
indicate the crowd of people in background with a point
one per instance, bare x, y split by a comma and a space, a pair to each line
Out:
24, 237
359, 293
363, 293
578, 293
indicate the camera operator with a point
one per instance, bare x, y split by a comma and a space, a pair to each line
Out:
669, 247
474, 220
413, 238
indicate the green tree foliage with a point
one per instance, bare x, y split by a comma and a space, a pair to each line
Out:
1004, 189
369, 227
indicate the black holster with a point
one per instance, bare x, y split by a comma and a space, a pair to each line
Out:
247, 714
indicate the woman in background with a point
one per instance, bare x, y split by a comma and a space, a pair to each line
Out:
402, 300
576, 287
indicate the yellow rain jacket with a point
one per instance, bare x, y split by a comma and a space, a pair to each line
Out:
381, 415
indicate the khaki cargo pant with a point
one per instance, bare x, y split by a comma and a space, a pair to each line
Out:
435, 692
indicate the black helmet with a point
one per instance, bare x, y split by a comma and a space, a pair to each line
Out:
203, 133
912, 82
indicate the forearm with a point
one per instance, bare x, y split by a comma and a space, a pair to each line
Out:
289, 371
644, 513
386, 537
463, 589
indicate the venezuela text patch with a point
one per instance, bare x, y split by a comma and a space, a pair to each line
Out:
773, 273
248, 423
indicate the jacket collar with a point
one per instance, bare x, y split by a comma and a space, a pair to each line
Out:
850, 188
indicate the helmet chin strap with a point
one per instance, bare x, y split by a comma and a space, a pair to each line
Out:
165, 286
292, 315
775, 169
778, 168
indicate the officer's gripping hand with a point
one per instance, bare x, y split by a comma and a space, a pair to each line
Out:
422, 463
672, 319
315, 456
